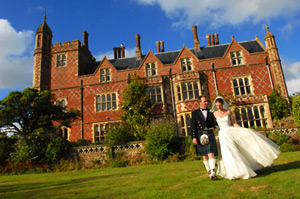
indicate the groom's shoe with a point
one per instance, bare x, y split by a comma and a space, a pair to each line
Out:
212, 174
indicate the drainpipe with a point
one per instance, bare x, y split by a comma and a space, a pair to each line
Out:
269, 72
215, 79
81, 107
172, 96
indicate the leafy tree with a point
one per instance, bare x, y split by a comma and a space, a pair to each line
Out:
296, 109
24, 112
136, 107
278, 106
34, 119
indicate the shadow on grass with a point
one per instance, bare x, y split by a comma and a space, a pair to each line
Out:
278, 168
60, 183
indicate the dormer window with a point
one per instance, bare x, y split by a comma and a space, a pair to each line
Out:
236, 58
151, 69
186, 65
105, 75
61, 60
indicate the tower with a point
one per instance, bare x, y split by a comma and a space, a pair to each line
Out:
275, 64
42, 57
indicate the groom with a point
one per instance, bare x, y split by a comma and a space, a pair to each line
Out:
203, 122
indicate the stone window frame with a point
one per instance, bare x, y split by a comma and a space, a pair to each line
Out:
151, 95
99, 136
104, 77
186, 64
237, 58
185, 120
238, 88
180, 91
63, 62
64, 133
62, 101
252, 116
102, 106
149, 70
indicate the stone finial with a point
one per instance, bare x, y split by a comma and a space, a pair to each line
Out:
232, 37
267, 28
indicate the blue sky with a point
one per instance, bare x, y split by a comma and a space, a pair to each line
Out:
111, 23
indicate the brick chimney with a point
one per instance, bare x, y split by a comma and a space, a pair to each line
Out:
196, 41
85, 39
208, 40
158, 46
116, 53
138, 46
162, 46
123, 51
212, 37
217, 38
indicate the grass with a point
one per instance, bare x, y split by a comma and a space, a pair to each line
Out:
170, 180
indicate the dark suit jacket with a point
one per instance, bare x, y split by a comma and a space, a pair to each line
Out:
199, 123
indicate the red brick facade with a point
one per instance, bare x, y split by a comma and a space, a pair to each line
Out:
72, 74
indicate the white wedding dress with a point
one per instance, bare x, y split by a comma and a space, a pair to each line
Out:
243, 151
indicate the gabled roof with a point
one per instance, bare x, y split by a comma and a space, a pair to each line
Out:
206, 52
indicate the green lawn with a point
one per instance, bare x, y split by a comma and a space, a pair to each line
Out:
169, 180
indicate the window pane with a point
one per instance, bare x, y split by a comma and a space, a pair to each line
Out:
108, 98
158, 90
147, 66
108, 106
262, 111
159, 98
248, 90
64, 57
196, 94
235, 84
236, 91
114, 104
237, 116
250, 114
183, 68
153, 99
179, 94
153, 65
232, 54
153, 72
103, 98
242, 91
189, 67
238, 54
114, 97
152, 91
241, 82
256, 114
183, 87
190, 86
196, 86
244, 114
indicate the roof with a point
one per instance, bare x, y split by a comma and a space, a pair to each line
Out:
170, 57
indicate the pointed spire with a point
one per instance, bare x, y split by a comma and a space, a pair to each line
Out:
45, 15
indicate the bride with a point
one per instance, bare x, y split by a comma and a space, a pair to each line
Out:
242, 150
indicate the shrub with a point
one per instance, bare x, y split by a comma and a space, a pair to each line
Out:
296, 109
284, 141
286, 147
158, 138
57, 148
118, 135
6, 147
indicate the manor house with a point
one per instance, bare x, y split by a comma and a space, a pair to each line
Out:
247, 70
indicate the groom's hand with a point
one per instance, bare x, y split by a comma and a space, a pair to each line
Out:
194, 141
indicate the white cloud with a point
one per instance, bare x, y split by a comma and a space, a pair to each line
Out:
16, 60
216, 13
292, 76
130, 52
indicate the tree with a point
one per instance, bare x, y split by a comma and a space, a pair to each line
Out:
29, 110
278, 106
136, 107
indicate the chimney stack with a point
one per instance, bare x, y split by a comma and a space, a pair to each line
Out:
217, 38
162, 46
115, 53
196, 41
85, 39
123, 50
158, 46
208, 40
138, 46
212, 36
